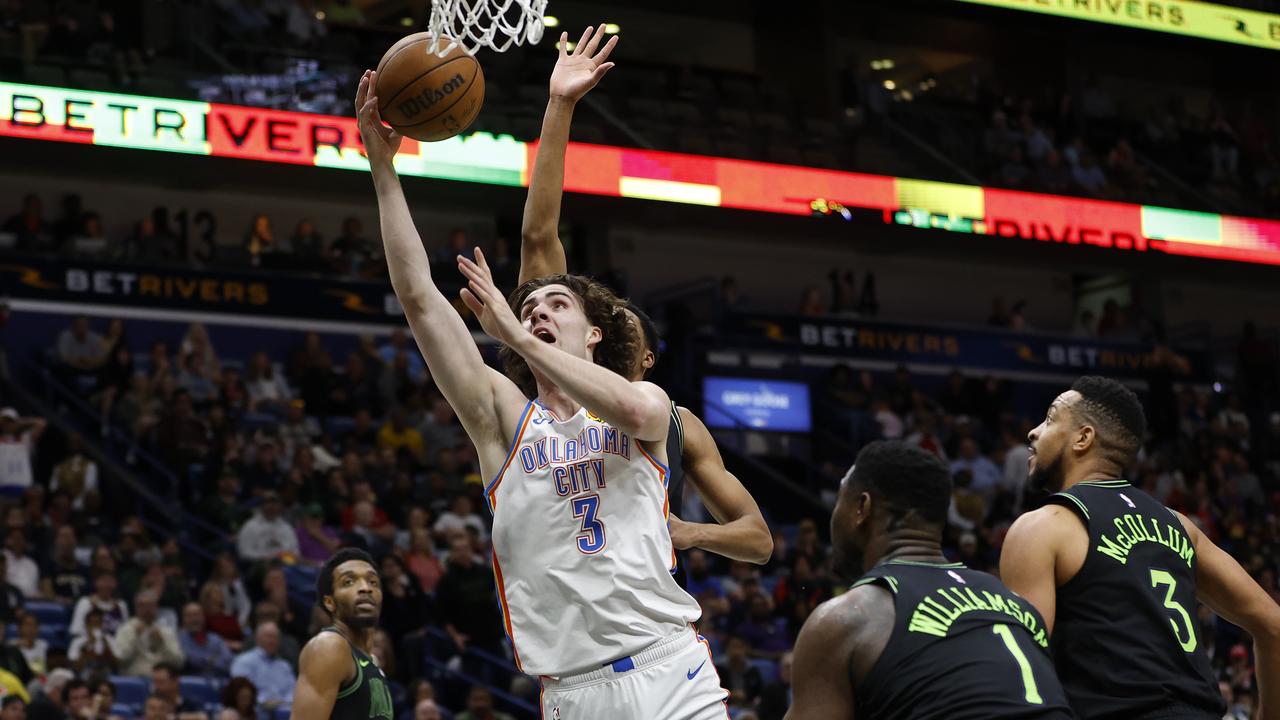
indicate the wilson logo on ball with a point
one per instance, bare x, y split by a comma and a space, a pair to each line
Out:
429, 97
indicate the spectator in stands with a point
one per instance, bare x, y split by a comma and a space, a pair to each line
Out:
31, 230
267, 535
1089, 176
217, 619
985, 475
422, 561
426, 709
13, 707
93, 650
351, 252
440, 428
18, 438
1015, 173
226, 573
271, 673
80, 349
113, 611
396, 434
260, 240
104, 696
480, 706
182, 437
738, 675
316, 541
205, 652
466, 601
34, 649
22, 571
158, 708
398, 343
766, 634
811, 302
268, 392
164, 685
76, 700
269, 611
298, 430
13, 661
776, 696
1053, 176
307, 245
143, 642
406, 609
76, 474
460, 516
223, 509
240, 696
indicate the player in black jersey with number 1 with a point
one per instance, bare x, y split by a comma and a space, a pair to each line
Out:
338, 678
1117, 575
917, 637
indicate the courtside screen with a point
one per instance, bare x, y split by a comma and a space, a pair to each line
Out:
776, 405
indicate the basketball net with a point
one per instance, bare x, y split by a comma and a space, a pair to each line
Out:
495, 24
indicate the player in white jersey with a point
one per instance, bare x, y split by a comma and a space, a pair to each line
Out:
581, 550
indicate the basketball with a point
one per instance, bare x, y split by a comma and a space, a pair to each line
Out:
425, 96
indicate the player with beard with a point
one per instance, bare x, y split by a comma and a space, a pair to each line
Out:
1117, 575
916, 637
740, 531
338, 677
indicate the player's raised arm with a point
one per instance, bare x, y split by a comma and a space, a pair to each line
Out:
740, 531
442, 336
1226, 588
640, 409
575, 73
325, 664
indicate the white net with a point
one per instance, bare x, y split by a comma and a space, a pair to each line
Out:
495, 24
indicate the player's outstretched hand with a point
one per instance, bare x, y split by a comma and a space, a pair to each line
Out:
682, 533
487, 302
577, 72
380, 142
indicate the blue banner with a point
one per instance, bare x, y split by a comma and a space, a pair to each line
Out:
994, 350
755, 403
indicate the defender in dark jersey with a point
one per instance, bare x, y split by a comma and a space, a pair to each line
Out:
917, 637
338, 679
1117, 575
740, 531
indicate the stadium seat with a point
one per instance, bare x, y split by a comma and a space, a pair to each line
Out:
199, 689
126, 711
768, 670
281, 713
48, 613
131, 691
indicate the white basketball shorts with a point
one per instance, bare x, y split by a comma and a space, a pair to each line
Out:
672, 679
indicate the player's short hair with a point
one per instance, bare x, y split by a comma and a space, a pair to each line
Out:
324, 582
617, 348
910, 484
649, 334
1116, 415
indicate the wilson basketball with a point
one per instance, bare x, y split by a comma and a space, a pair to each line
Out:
425, 96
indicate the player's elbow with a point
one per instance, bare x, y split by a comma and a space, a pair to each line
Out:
761, 549
1265, 628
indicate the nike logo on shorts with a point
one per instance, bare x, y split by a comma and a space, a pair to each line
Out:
694, 672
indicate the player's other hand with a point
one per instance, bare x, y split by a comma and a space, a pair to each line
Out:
682, 533
577, 72
380, 142
487, 302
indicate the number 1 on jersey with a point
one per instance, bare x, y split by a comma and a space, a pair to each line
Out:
591, 540
1028, 676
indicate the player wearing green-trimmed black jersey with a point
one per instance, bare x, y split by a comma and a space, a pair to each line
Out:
917, 637
338, 679
1117, 575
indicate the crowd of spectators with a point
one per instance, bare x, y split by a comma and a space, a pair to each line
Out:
79, 232
1095, 144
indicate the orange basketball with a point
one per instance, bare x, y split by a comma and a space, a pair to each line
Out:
425, 96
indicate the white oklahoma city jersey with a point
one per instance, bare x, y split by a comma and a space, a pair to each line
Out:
581, 550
